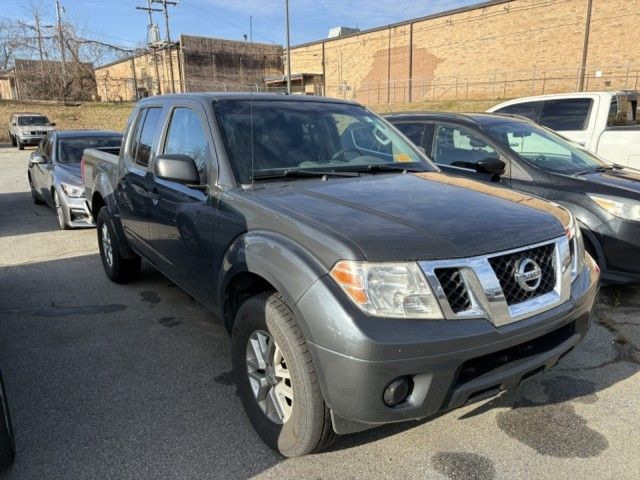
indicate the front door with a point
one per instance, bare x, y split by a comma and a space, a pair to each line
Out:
182, 218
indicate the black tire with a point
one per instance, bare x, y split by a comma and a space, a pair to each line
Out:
19, 144
7, 444
119, 269
34, 195
60, 215
13, 141
308, 429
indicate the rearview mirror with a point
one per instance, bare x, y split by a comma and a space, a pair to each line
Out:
492, 166
177, 168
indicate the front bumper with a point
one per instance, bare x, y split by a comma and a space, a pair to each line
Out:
620, 243
76, 212
30, 139
450, 362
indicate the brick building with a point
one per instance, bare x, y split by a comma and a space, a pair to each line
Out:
44, 80
496, 49
191, 64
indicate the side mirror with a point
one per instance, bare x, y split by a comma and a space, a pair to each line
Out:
37, 159
13, 124
53, 124
492, 166
177, 168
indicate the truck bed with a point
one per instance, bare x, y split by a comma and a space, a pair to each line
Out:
97, 162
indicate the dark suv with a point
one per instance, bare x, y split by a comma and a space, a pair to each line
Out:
515, 152
360, 285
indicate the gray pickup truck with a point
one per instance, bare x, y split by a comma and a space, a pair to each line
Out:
359, 284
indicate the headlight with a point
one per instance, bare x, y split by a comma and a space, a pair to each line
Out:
396, 290
620, 207
72, 191
576, 248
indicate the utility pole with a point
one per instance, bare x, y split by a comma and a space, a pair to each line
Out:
168, 36
149, 11
286, 6
585, 48
39, 34
62, 53
250, 29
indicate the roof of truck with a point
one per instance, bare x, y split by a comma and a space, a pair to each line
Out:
212, 96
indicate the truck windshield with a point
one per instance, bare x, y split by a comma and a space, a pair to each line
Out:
271, 138
544, 148
70, 149
34, 120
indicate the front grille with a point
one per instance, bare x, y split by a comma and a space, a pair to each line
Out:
38, 133
454, 289
505, 267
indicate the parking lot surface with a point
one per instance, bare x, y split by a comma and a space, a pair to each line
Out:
134, 381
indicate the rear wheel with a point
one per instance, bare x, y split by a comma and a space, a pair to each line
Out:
7, 445
119, 269
276, 378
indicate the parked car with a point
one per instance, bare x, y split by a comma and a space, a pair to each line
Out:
55, 177
28, 129
360, 285
605, 123
7, 444
517, 153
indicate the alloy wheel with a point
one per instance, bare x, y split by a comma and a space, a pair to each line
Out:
107, 249
269, 377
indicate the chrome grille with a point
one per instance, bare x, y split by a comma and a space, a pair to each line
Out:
505, 267
454, 288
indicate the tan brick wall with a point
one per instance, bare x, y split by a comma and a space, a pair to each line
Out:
502, 50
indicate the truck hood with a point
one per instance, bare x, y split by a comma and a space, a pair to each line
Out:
418, 216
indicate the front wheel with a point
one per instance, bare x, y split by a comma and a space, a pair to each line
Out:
276, 379
20, 144
62, 218
7, 445
13, 141
119, 269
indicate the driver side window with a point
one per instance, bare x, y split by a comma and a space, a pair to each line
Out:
458, 147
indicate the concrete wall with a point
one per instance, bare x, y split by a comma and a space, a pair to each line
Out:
501, 49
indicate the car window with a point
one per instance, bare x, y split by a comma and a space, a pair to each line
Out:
623, 111
70, 149
186, 136
459, 147
413, 131
147, 133
566, 115
530, 110
542, 147
44, 146
135, 133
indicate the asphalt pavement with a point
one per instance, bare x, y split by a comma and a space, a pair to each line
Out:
112, 381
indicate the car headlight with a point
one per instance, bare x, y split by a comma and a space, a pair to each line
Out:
620, 207
576, 248
395, 290
72, 191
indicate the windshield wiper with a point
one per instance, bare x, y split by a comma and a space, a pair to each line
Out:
603, 168
297, 173
388, 167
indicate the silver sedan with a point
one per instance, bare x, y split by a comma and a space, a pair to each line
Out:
55, 175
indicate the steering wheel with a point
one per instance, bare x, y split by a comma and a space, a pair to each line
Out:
342, 151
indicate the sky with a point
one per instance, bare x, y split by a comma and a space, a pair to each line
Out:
117, 21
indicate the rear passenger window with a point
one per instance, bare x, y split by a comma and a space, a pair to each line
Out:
530, 110
569, 114
413, 131
144, 133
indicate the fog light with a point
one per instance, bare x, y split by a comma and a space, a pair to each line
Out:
397, 391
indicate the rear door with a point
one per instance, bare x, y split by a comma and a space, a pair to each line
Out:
181, 222
133, 188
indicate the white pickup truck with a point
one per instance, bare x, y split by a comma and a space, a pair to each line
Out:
605, 123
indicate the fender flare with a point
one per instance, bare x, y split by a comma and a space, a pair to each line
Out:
286, 265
